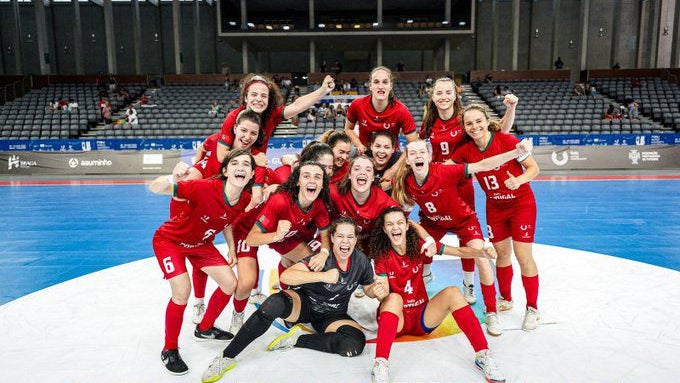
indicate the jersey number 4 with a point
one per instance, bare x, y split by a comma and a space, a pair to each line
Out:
408, 289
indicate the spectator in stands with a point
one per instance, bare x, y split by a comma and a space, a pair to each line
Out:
635, 83
106, 113
622, 112
616, 66
62, 104
214, 109
286, 83
130, 111
578, 90
132, 119
633, 110
311, 114
429, 81
422, 92
498, 93
558, 63
354, 84
296, 91
506, 91
401, 66
337, 67
322, 67
324, 111
590, 90
609, 114
346, 87
488, 79
232, 105
72, 105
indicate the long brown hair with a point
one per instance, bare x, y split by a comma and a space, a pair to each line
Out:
252, 116
380, 243
275, 97
432, 113
230, 156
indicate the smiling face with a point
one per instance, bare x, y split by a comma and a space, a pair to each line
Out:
245, 134
418, 157
257, 97
344, 240
341, 153
395, 226
381, 85
382, 150
361, 175
444, 95
310, 183
239, 170
476, 124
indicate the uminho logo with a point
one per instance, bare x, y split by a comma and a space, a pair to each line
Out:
74, 163
559, 161
14, 162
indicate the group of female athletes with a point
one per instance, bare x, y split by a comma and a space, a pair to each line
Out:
337, 214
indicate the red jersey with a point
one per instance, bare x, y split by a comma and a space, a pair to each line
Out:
339, 174
446, 137
364, 214
207, 213
279, 175
227, 135
396, 118
210, 144
405, 276
493, 181
304, 223
438, 197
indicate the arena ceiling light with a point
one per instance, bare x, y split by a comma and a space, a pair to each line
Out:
286, 27
322, 25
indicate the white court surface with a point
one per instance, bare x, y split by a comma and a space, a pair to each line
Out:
605, 319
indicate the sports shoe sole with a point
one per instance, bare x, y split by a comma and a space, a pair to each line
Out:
480, 368
272, 345
174, 373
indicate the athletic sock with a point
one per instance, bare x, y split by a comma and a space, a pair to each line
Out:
504, 276
218, 301
469, 324
200, 280
489, 294
174, 315
531, 290
387, 331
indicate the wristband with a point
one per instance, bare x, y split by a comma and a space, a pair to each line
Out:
428, 241
171, 179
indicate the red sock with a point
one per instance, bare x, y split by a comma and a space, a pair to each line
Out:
200, 280
174, 315
531, 290
489, 294
387, 331
504, 277
469, 324
468, 264
218, 301
240, 304
282, 268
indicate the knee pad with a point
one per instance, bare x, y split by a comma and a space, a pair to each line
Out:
352, 341
278, 305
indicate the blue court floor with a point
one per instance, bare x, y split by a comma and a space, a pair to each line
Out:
82, 298
58, 232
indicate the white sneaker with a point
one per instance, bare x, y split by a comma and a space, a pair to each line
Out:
287, 340
359, 292
531, 319
256, 298
493, 324
429, 277
236, 321
469, 294
217, 368
503, 305
199, 311
484, 361
380, 372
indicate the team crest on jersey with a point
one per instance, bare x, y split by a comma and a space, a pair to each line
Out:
524, 227
415, 269
387, 125
453, 133
205, 218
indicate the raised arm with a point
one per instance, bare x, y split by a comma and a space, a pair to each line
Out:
164, 184
303, 103
508, 119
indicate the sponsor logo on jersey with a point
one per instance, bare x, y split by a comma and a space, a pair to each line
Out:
205, 218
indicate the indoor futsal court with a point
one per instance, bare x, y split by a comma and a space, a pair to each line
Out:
83, 299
